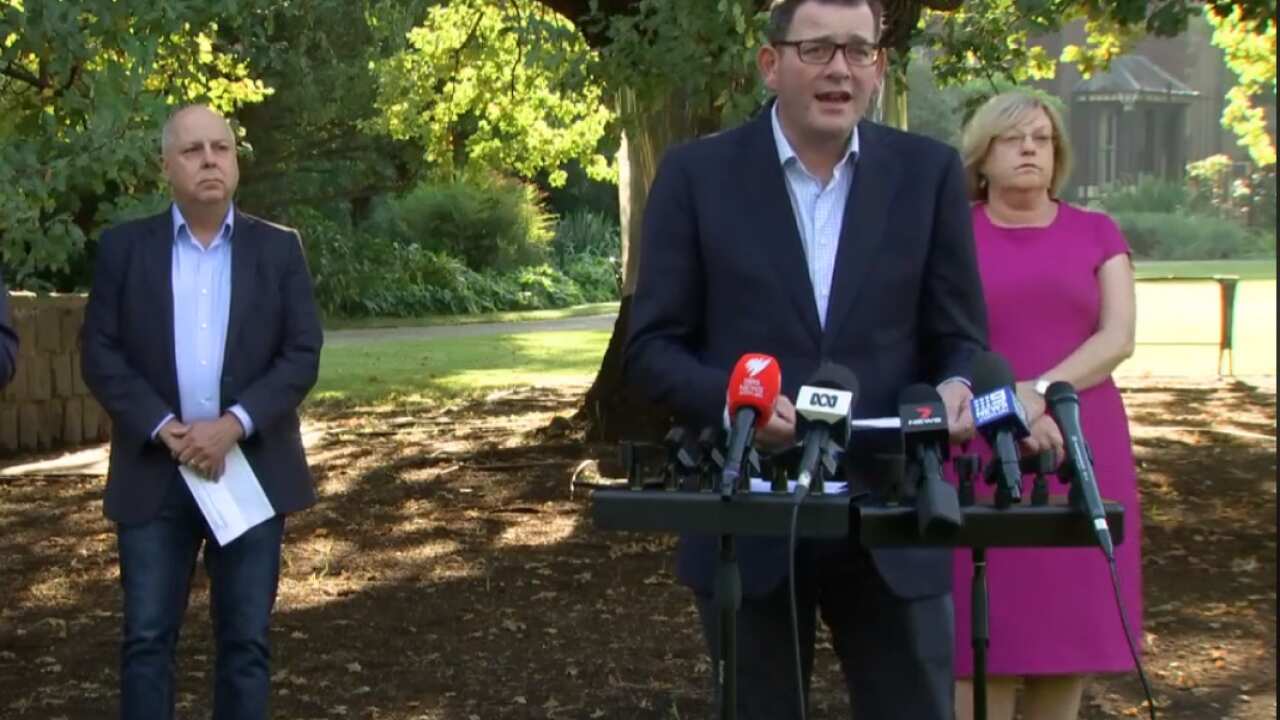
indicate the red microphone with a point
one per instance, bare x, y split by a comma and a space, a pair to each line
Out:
753, 388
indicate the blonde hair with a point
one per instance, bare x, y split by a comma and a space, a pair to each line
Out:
996, 117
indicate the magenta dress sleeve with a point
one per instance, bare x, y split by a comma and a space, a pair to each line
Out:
1110, 240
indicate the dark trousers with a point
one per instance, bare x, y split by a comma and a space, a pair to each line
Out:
895, 653
157, 562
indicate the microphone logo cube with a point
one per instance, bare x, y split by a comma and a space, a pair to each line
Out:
919, 417
996, 406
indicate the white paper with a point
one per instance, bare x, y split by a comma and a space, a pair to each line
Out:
234, 502
760, 485
880, 423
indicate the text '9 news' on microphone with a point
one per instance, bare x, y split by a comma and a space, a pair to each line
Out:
822, 413
924, 434
1000, 419
753, 388
1064, 407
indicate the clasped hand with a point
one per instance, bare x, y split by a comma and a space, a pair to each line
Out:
202, 445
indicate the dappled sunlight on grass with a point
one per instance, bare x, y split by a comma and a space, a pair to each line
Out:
448, 367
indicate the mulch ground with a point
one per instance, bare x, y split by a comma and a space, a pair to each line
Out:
451, 571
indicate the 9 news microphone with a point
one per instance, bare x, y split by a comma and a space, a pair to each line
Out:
822, 412
924, 434
1001, 419
1064, 406
753, 388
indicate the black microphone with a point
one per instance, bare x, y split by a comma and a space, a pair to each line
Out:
924, 434
822, 415
1001, 419
1064, 406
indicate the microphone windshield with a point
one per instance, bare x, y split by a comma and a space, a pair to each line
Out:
837, 377
990, 372
1060, 390
919, 394
755, 383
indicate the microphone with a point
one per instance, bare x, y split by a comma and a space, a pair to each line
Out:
753, 387
822, 414
1064, 406
924, 433
1001, 420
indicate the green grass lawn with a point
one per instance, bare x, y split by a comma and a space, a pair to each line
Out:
450, 367
1245, 269
1188, 312
372, 373
493, 317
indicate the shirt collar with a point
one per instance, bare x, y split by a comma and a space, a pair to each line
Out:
786, 152
180, 224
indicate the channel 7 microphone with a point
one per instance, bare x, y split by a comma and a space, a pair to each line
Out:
753, 388
924, 433
822, 413
1000, 419
1064, 406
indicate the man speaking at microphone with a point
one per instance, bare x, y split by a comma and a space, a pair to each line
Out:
812, 235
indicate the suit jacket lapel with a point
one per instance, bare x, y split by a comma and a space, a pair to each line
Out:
866, 212
158, 264
243, 257
776, 230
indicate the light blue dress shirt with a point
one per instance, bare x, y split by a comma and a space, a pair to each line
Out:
201, 310
819, 210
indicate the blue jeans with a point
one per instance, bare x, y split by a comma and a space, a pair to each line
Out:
157, 562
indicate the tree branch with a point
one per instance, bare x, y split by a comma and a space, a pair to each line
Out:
21, 74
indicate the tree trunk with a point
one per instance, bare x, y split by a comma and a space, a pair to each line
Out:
893, 99
611, 410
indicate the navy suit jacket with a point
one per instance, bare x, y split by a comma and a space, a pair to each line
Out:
271, 359
723, 272
8, 339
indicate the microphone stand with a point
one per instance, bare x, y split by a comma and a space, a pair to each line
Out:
967, 468
728, 592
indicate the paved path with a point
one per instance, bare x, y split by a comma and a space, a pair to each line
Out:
334, 338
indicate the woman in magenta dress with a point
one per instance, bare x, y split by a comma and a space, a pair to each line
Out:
1059, 288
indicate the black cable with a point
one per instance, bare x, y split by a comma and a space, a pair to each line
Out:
1128, 636
795, 622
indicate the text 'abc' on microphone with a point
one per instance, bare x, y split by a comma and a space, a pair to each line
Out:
753, 388
823, 406
1000, 418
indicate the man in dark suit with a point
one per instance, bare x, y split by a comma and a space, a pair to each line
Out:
8, 339
201, 332
811, 235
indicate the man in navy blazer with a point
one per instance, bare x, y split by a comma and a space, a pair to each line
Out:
8, 339
813, 235
201, 332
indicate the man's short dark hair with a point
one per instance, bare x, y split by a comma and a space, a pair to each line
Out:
784, 11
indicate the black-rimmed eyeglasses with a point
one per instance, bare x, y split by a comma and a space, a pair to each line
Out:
819, 52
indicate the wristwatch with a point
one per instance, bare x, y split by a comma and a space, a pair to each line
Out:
1041, 386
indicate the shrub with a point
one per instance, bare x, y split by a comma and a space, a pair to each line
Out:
585, 232
599, 277
1148, 195
1169, 236
489, 222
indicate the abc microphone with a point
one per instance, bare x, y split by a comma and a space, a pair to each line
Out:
924, 432
753, 388
1000, 418
822, 412
1064, 406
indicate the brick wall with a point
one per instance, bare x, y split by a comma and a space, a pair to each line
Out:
47, 406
